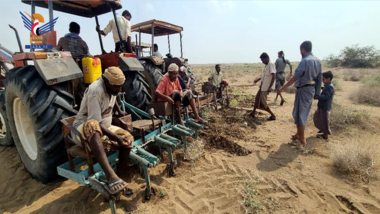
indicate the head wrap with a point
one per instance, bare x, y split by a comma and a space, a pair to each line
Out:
173, 68
183, 69
114, 76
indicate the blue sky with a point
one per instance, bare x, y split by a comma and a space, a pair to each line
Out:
228, 31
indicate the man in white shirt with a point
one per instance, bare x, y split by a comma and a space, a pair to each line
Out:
155, 51
125, 31
267, 85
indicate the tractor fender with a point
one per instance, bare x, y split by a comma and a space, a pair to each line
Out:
130, 64
57, 70
156, 60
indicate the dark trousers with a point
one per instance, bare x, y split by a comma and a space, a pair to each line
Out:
118, 46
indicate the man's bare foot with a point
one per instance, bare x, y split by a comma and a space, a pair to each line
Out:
200, 120
252, 114
181, 122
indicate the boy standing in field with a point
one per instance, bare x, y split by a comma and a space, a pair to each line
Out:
322, 114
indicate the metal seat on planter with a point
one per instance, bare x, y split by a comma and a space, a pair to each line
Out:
74, 150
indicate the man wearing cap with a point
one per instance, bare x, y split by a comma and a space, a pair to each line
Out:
217, 80
169, 90
93, 122
125, 31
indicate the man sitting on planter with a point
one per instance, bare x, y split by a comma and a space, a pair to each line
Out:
169, 90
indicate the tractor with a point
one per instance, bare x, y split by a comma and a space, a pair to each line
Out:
39, 102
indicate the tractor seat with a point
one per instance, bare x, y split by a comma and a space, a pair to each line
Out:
77, 151
144, 124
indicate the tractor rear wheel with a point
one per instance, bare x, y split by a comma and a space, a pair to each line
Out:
5, 131
34, 110
153, 75
136, 90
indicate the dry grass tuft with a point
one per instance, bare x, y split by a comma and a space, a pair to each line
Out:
195, 150
251, 201
367, 95
356, 158
342, 117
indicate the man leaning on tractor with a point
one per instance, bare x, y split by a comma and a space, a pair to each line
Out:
93, 121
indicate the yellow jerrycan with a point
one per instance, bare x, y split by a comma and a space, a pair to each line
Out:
92, 69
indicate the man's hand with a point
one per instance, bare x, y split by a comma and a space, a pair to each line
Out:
280, 91
170, 100
122, 113
97, 28
124, 142
316, 97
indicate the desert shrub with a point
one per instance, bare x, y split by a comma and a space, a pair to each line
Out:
342, 116
368, 93
234, 103
356, 57
355, 158
352, 76
332, 61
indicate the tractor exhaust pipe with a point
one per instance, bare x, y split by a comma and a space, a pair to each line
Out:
18, 39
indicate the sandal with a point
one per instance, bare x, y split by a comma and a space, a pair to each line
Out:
252, 115
271, 118
282, 102
109, 186
294, 137
321, 136
292, 143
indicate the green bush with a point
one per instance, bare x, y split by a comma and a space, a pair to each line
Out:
355, 57
333, 61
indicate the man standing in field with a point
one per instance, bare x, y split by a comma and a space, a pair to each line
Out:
280, 74
307, 79
267, 82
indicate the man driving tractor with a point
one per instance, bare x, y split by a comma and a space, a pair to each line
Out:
93, 121
169, 89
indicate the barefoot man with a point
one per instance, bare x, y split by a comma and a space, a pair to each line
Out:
267, 82
169, 90
307, 79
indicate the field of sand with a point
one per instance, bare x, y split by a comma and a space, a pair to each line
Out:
286, 179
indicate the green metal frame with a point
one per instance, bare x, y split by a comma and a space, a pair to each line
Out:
138, 155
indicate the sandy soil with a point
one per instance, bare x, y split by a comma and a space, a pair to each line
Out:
291, 180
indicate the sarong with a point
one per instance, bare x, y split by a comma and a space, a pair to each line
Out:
90, 127
322, 121
261, 100
302, 104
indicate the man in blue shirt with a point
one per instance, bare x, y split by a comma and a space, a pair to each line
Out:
182, 74
307, 79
